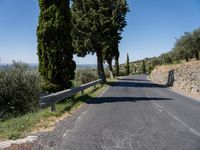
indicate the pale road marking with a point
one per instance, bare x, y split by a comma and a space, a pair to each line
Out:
195, 132
79, 118
66, 133
104, 91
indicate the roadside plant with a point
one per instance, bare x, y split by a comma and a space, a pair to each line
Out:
19, 90
55, 51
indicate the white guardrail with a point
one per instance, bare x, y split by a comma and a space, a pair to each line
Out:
52, 99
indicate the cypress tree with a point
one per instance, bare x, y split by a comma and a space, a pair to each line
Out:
127, 65
143, 67
55, 51
116, 12
135, 69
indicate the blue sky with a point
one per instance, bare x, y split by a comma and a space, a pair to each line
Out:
152, 28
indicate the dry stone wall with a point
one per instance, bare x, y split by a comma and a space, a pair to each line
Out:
184, 76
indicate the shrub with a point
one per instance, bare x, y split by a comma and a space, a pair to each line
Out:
150, 68
85, 76
19, 90
107, 73
122, 73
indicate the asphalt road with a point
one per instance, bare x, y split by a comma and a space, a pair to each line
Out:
134, 114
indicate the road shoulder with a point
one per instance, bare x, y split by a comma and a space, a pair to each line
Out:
190, 95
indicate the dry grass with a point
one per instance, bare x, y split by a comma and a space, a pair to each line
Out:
44, 120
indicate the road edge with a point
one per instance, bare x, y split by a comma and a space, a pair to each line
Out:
180, 92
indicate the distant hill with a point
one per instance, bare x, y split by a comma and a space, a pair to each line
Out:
31, 65
35, 66
136, 66
86, 66
2, 66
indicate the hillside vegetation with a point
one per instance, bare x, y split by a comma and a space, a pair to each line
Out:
21, 87
186, 48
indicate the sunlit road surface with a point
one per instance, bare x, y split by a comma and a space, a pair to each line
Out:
133, 114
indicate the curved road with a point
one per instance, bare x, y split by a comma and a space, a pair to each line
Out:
134, 114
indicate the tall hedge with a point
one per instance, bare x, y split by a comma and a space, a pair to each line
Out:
55, 50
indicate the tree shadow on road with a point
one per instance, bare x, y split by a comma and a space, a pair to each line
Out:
100, 100
137, 84
133, 79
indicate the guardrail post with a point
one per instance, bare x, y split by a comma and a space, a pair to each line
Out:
53, 104
53, 98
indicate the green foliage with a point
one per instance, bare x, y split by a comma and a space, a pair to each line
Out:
19, 127
19, 90
183, 47
150, 68
196, 43
144, 67
117, 11
122, 73
55, 50
97, 26
89, 23
166, 58
85, 76
187, 46
155, 61
127, 65
107, 73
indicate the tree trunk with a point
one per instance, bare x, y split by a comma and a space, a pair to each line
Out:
186, 58
117, 66
100, 68
196, 53
135, 69
110, 69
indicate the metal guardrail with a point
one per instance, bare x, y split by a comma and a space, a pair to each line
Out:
52, 99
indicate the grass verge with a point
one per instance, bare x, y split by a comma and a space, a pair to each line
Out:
20, 127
